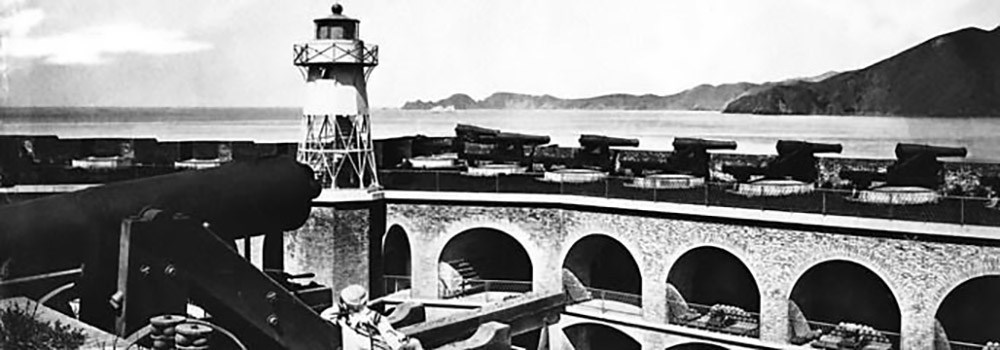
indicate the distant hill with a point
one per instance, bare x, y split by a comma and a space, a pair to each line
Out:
701, 97
955, 74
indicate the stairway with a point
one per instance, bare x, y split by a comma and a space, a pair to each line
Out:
471, 281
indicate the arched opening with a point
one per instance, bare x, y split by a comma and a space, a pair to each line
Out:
696, 346
483, 260
971, 312
710, 275
396, 260
603, 263
711, 288
588, 336
842, 291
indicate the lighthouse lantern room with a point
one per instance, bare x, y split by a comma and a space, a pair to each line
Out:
337, 141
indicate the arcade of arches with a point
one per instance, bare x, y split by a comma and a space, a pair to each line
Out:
850, 283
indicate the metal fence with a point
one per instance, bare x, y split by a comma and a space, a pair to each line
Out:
602, 297
396, 284
947, 209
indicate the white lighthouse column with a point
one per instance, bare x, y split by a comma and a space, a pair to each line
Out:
336, 140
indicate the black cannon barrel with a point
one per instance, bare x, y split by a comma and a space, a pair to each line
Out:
907, 150
587, 140
787, 147
694, 143
466, 130
238, 199
523, 138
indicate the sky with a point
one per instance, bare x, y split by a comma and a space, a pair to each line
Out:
234, 53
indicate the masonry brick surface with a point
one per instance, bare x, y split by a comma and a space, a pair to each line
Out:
919, 273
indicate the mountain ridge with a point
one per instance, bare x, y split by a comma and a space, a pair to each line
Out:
952, 74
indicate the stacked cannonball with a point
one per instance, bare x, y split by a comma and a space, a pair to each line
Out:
992, 346
163, 330
721, 315
191, 336
864, 334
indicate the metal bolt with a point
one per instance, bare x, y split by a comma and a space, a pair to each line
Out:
117, 299
144, 270
170, 271
272, 297
272, 320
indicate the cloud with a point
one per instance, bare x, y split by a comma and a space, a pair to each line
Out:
89, 45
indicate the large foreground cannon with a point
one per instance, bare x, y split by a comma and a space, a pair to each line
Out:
917, 165
239, 199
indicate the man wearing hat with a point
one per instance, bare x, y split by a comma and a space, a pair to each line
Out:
362, 327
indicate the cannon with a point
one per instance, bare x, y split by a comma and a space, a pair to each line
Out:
917, 165
691, 157
239, 199
796, 160
596, 151
482, 144
472, 133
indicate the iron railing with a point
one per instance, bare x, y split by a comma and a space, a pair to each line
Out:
336, 52
947, 209
602, 297
395, 284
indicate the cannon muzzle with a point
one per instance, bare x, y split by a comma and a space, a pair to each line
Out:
607, 141
682, 143
908, 150
787, 147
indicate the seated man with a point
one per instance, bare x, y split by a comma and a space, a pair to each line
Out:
363, 328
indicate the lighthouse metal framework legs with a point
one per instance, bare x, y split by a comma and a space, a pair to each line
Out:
339, 149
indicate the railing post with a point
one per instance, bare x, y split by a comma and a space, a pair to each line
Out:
823, 210
496, 184
604, 298
437, 181
705, 193
961, 212
607, 183
892, 203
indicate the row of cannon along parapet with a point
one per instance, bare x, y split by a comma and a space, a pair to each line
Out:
32, 159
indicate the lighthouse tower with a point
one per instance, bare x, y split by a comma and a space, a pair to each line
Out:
337, 141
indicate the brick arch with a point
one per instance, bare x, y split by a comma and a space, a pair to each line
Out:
699, 344
389, 227
570, 322
578, 235
956, 280
535, 253
583, 322
738, 252
403, 223
813, 259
